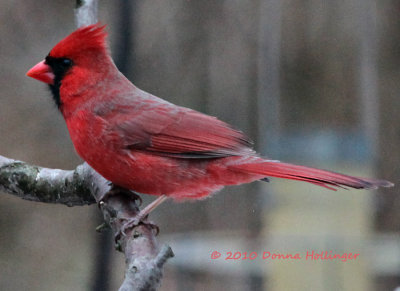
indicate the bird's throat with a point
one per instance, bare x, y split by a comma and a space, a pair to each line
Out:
55, 92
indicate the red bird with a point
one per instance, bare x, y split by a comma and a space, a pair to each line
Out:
143, 143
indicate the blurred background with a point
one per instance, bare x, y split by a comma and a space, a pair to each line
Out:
311, 82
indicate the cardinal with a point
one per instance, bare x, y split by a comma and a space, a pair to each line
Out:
146, 144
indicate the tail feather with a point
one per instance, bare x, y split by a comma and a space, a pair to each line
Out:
323, 178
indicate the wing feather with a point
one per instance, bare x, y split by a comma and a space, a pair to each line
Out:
170, 130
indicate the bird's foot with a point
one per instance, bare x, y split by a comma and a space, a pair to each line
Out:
134, 222
141, 218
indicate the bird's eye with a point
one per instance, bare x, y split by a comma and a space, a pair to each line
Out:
66, 62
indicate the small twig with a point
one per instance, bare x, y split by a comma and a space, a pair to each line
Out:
85, 12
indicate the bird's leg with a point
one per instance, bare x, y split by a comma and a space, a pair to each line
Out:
141, 216
149, 208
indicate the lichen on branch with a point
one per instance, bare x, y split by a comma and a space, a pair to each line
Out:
45, 185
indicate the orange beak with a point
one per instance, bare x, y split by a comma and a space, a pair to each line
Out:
42, 72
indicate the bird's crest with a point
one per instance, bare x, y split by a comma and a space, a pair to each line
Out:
90, 37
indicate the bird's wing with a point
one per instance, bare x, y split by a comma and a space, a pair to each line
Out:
170, 130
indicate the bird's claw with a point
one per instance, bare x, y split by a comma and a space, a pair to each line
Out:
153, 227
134, 222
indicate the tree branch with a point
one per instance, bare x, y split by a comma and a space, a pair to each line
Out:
144, 258
47, 185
